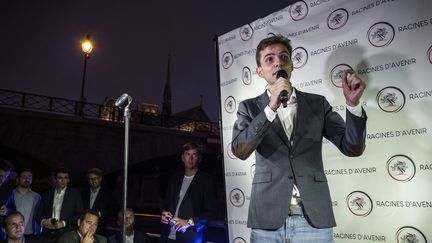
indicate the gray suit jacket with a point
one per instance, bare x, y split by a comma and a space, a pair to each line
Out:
73, 237
279, 163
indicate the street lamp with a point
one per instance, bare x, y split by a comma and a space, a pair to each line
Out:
87, 47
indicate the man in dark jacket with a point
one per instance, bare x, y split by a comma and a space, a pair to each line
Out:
87, 225
60, 207
190, 200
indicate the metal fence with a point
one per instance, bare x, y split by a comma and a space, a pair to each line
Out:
21, 100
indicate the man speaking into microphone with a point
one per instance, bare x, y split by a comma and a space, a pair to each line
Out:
290, 199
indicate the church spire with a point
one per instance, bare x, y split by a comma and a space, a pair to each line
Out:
166, 105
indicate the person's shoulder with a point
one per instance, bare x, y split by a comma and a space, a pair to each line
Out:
100, 238
66, 236
309, 96
204, 176
73, 190
113, 238
35, 194
48, 193
139, 236
253, 99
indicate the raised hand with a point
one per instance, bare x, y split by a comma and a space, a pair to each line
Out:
352, 87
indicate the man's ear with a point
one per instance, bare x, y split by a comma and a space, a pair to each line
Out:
79, 222
259, 71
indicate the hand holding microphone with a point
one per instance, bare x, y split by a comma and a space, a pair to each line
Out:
283, 96
283, 88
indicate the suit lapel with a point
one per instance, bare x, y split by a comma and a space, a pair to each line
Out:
179, 181
303, 111
65, 203
49, 204
277, 127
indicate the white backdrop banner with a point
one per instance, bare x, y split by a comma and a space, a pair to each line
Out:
384, 195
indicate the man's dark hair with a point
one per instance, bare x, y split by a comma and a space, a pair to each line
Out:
22, 170
6, 165
11, 213
192, 145
96, 171
60, 170
88, 211
264, 43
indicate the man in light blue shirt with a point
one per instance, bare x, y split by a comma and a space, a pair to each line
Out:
26, 200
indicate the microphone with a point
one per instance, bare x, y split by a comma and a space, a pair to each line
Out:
123, 101
283, 96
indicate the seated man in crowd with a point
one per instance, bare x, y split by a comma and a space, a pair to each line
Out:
132, 236
6, 192
14, 228
87, 225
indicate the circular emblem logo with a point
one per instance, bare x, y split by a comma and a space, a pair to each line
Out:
252, 171
298, 11
237, 197
299, 57
336, 74
401, 168
390, 99
230, 104
246, 32
247, 76
381, 34
429, 54
408, 234
239, 240
227, 60
359, 203
229, 152
337, 19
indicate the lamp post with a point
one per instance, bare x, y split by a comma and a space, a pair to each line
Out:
87, 47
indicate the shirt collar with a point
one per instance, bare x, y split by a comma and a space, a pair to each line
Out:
293, 97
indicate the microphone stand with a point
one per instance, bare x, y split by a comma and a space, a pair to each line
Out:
127, 116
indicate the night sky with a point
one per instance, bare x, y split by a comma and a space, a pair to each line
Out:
41, 47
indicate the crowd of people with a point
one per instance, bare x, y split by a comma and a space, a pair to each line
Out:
60, 214
64, 214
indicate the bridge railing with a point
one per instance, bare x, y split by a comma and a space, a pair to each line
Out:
21, 100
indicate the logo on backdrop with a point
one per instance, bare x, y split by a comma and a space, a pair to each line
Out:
298, 11
237, 197
227, 60
336, 74
359, 203
390, 99
299, 57
429, 54
408, 234
229, 152
246, 32
239, 240
230, 104
381, 34
401, 168
247, 76
337, 19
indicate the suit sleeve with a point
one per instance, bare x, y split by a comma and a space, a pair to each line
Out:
350, 136
249, 129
